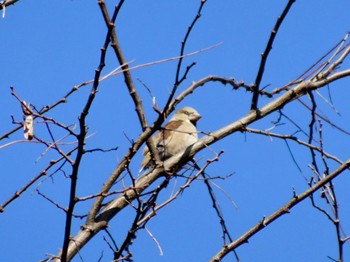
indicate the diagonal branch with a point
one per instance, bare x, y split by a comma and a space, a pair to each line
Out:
179, 80
92, 227
5, 3
281, 211
124, 65
265, 54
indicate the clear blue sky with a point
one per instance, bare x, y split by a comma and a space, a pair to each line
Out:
47, 47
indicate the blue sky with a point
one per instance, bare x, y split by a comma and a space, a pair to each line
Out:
47, 47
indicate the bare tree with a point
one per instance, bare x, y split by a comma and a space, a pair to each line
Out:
126, 189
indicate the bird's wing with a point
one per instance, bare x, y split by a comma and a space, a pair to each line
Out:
165, 133
169, 129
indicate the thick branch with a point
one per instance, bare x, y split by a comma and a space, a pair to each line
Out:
89, 230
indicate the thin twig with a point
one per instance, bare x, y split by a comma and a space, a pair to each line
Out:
265, 54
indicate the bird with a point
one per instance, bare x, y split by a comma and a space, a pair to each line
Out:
177, 135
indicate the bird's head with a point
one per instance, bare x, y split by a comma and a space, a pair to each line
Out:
187, 114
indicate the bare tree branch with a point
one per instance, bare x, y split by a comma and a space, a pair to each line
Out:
143, 193
5, 3
120, 202
266, 53
81, 140
285, 209
179, 80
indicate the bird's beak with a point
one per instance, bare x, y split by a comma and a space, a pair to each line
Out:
195, 117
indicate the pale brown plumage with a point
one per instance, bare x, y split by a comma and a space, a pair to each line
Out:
179, 133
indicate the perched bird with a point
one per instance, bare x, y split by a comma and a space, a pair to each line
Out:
178, 134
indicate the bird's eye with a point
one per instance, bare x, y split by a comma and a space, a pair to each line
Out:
187, 113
